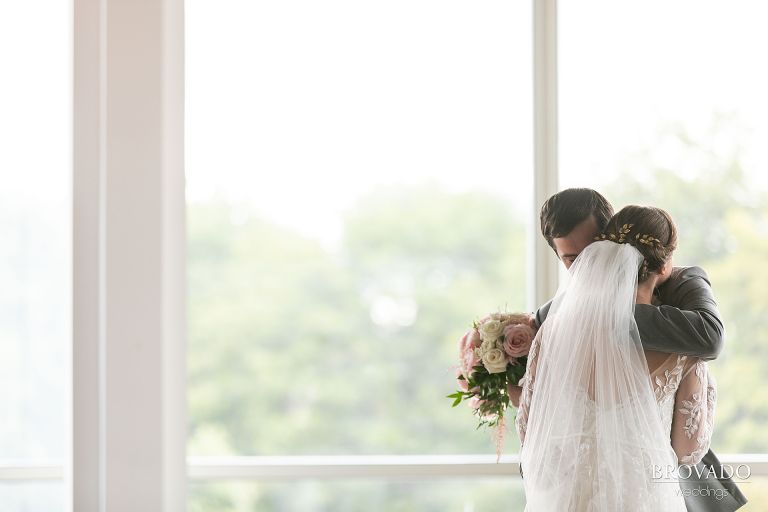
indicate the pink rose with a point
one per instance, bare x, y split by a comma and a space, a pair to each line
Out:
463, 385
468, 360
474, 339
471, 339
517, 340
463, 342
475, 402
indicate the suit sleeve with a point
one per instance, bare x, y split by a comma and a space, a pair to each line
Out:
541, 314
688, 322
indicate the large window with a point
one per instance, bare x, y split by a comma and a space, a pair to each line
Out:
359, 188
35, 202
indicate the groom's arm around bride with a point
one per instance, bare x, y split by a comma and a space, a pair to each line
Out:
683, 320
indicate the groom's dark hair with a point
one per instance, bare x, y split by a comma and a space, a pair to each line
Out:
564, 210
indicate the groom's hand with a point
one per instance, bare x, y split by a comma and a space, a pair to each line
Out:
645, 289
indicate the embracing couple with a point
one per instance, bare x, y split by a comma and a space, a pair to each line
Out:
616, 408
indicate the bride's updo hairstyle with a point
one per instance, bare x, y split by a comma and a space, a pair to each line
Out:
646, 228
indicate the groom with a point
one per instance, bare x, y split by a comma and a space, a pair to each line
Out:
686, 321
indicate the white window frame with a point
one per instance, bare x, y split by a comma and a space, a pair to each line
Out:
129, 272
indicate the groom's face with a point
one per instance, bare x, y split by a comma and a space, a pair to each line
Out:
571, 245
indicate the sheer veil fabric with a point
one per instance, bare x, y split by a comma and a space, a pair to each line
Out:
594, 439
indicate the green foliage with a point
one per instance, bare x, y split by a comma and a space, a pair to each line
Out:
287, 355
290, 352
698, 202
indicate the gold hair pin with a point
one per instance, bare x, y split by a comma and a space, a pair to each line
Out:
648, 240
621, 237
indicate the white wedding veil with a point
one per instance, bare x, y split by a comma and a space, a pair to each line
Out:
594, 438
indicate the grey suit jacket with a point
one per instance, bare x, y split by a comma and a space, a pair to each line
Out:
687, 322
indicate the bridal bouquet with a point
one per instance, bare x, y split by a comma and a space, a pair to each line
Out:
492, 355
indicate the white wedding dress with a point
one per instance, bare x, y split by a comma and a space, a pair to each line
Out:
599, 432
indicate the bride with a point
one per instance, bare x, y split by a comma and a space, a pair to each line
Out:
597, 433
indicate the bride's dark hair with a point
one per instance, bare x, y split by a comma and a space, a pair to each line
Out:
647, 228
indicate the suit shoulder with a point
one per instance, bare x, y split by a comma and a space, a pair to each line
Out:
681, 281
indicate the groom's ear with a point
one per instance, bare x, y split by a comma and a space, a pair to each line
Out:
665, 271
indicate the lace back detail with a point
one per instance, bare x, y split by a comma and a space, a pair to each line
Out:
686, 394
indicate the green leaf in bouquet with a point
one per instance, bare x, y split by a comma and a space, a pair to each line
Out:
457, 397
516, 372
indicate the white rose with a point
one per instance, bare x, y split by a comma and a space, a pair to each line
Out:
495, 361
481, 350
491, 330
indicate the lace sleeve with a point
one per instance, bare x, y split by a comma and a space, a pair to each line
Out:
694, 415
521, 421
